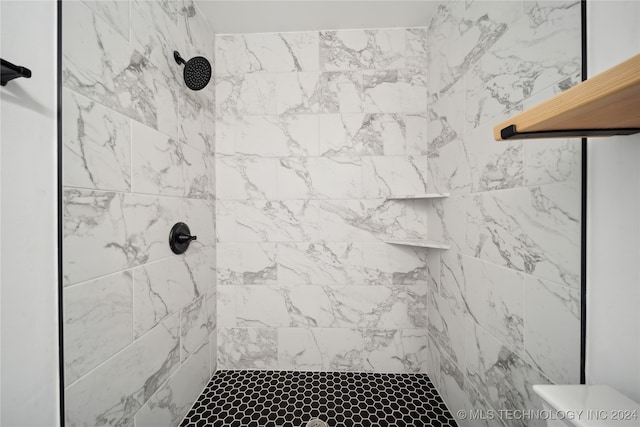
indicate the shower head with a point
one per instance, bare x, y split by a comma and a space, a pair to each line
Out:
197, 71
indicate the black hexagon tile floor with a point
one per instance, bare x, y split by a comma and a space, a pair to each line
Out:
339, 399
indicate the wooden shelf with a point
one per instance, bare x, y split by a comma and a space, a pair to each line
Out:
419, 243
604, 105
419, 196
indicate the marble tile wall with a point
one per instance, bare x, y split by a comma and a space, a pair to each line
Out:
504, 302
139, 321
313, 131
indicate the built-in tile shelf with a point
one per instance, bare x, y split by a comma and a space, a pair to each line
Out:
431, 244
419, 196
605, 105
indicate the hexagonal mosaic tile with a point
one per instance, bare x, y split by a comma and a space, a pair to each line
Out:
340, 399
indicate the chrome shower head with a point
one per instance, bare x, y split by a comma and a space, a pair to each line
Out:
197, 71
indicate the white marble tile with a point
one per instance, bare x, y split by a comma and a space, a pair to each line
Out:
194, 28
247, 264
320, 178
155, 34
247, 348
453, 281
213, 353
553, 350
415, 54
449, 378
381, 307
240, 95
394, 91
298, 92
361, 134
366, 220
108, 232
446, 117
500, 376
225, 221
274, 52
275, 221
196, 126
346, 50
226, 306
163, 288
98, 322
172, 401
535, 230
495, 300
447, 221
241, 178
194, 328
341, 92
446, 326
114, 12
199, 215
388, 176
272, 136
112, 393
164, 166
417, 142
100, 64
434, 271
97, 145
310, 306
320, 263
395, 350
386, 264
493, 166
549, 161
538, 48
261, 306
320, 349
450, 169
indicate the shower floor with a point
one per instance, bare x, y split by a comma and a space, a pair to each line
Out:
340, 399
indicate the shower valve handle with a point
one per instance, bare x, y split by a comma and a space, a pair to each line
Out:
184, 238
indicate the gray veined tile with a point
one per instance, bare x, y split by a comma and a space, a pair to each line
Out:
195, 30
388, 176
247, 94
195, 328
164, 166
341, 92
242, 178
111, 394
102, 66
416, 47
534, 230
167, 286
107, 232
320, 349
551, 349
320, 263
387, 265
247, 348
97, 145
261, 306
196, 126
359, 134
274, 221
394, 91
298, 92
499, 374
172, 401
320, 178
114, 12
546, 162
395, 350
199, 215
346, 50
447, 328
247, 264
98, 322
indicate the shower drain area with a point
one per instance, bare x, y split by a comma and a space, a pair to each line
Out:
318, 399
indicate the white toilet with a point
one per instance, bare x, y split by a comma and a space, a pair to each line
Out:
587, 405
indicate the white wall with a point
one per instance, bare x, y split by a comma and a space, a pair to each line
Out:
29, 318
613, 290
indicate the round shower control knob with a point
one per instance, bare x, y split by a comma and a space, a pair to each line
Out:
180, 237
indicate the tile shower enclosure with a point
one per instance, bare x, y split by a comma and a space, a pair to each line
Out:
282, 166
